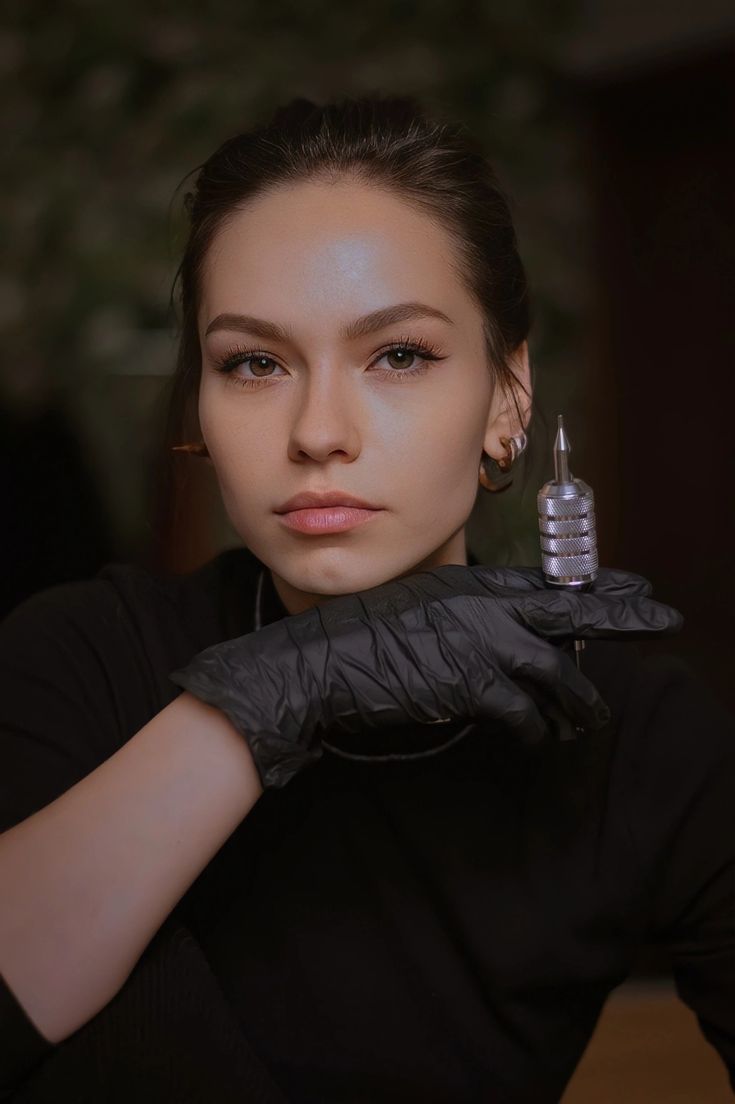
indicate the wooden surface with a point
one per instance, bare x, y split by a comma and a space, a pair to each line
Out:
648, 1049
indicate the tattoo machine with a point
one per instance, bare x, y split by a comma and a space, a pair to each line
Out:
566, 518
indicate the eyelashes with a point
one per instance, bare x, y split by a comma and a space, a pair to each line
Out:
236, 356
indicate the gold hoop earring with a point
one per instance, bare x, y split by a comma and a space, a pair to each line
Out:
495, 475
194, 448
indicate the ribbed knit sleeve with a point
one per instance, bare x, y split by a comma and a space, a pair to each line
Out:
167, 1037
22, 1046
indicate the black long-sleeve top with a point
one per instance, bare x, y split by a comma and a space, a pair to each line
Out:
437, 930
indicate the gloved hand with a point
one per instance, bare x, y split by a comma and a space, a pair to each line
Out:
457, 641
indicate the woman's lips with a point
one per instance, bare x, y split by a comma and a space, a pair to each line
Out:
327, 519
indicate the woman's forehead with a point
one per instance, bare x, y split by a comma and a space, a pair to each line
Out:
345, 248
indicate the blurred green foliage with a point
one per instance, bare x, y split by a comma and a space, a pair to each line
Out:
106, 108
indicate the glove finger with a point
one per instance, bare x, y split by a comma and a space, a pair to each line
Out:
447, 579
612, 581
441, 582
552, 679
502, 699
401, 594
589, 615
497, 580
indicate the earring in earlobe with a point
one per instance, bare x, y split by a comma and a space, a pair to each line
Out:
194, 448
495, 475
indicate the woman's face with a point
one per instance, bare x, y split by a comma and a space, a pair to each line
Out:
316, 408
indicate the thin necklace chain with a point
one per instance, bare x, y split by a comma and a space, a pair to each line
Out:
258, 595
392, 757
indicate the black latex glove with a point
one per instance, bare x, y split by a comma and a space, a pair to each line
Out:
457, 641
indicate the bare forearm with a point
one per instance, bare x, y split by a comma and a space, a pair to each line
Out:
89, 879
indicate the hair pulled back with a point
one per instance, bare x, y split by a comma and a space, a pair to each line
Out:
391, 142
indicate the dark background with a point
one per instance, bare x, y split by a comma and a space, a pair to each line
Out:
611, 127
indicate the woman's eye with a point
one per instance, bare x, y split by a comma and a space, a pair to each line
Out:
404, 357
259, 365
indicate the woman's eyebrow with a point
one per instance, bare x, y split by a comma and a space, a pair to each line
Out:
376, 320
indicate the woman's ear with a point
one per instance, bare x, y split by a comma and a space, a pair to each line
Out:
504, 417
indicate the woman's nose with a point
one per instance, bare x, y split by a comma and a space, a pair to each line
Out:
326, 416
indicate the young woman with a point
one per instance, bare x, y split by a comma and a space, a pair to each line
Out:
336, 817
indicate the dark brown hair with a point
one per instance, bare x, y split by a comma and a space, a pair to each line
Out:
393, 142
